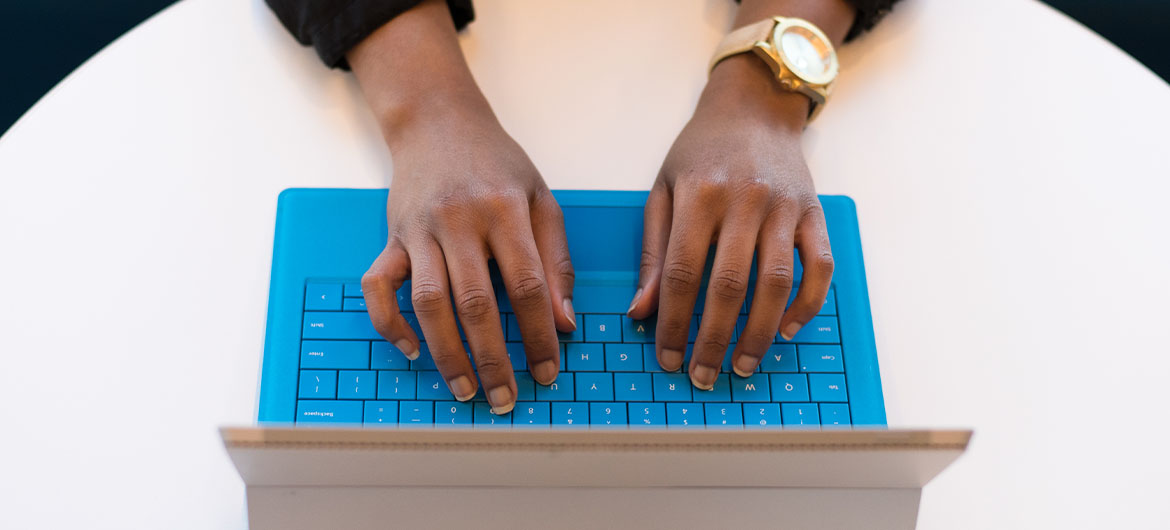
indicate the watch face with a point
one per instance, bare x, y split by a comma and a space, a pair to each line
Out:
807, 54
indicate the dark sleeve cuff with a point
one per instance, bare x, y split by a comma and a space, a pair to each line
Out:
332, 27
869, 12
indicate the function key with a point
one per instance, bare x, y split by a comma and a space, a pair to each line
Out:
312, 411
323, 297
819, 330
335, 354
828, 387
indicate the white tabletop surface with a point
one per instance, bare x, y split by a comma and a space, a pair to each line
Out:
1011, 171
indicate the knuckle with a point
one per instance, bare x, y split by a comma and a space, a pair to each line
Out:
729, 284
777, 277
426, 296
492, 364
824, 261
474, 304
680, 276
372, 282
527, 287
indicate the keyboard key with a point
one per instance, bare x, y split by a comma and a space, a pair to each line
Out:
405, 300
612, 414
835, 414
647, 414
623, 357
338, 325
830, 307
396, 384
650, 359
512, 328
561, 389
788, 387
516, 355
585, 357
780, 358
353, 290
323, 297
317, 384
335, 354
431, 385
383, 413
754, 388
684, 415
720, 392
827, 387
485, 419
594, 386
819, 330
525, 386
311, 411
577, 335
354, 304
820, 358
415, 413
386, 356
571, 414
412, 321
799, 414
724, 414
694, 330
671, 387
424, 360
603, 328
633, 387
761, 416
638, 331
530, 413
356, 384
452, 413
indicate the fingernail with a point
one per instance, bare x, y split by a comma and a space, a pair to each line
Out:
671, 360
744, 366
407, 349
703, 377
501, 400
462, 388
568, 305
545, 372
634, 302
790, 330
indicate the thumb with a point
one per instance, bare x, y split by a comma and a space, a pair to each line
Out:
655, 236
548, 228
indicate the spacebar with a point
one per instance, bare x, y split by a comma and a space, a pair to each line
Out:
338, 325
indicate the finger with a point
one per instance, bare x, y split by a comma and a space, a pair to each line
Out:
380, 286
431, 297
524, 281
773, 284
812, 239
475, 303
655, 237
681, 275
725, 293
548, 229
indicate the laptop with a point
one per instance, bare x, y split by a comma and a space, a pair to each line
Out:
341, 407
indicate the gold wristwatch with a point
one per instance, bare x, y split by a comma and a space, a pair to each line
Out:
798, 52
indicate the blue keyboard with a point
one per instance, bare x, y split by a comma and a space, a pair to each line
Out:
609, 375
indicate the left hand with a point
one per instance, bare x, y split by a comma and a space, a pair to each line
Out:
735, 178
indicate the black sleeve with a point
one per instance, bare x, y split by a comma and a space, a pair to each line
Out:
335, 26
869, 12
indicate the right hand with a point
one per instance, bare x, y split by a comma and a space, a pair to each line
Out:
464, 192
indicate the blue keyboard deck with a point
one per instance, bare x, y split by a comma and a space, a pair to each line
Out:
609, 376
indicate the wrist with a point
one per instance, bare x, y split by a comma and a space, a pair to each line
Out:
745, 86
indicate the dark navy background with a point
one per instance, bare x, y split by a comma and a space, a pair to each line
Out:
41, 41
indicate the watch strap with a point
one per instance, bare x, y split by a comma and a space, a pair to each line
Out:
742, 40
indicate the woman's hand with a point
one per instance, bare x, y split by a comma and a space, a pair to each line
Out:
735, 178
463, 193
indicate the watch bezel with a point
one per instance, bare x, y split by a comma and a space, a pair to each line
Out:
785, 24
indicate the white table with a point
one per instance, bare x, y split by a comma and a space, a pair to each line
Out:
1010, 168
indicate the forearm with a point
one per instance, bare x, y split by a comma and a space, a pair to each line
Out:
413, 66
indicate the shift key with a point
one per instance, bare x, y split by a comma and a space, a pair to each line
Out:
338, 325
